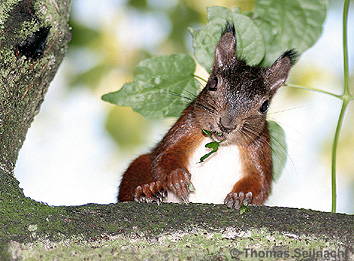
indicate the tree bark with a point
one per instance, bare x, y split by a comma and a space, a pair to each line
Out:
33, 39
133, 231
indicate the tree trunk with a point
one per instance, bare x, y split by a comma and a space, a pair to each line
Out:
33, 39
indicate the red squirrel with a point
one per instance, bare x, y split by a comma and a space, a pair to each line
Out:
233, 106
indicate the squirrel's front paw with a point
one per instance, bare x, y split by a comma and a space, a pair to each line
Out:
236, 200
150, 192
179, 182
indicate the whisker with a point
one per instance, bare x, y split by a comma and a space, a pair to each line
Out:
285, 152
252, 117
190, 93
207, 103
248, 136
211, 106
285, 110
201, 84
249, 128
205, 107
283, 149
264, 141
214, 103
180, 95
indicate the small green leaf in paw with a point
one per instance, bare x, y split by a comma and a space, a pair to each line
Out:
207, 132
213, 145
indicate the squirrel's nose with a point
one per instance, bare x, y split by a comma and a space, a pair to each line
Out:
226, 125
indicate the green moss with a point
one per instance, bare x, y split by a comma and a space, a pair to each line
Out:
22, 219
132, 231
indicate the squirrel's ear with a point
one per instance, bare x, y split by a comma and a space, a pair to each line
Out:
276, 75
225, 51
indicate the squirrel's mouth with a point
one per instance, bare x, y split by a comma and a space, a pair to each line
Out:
235, 136
219, 135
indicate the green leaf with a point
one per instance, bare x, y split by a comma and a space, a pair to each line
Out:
160, 87
279, 148
207, 132
250, 44
287, 24
206, 156
214, 145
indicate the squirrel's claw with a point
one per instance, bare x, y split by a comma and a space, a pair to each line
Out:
150, 193
179, 183
236, 200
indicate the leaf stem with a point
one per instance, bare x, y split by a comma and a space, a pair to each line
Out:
334, 155
200, 78
345, 48
313, 90
346, 98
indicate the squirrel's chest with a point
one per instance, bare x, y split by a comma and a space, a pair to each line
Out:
214, 178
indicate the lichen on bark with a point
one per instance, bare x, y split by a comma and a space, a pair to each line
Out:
28, 64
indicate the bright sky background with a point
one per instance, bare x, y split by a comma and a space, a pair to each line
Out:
68, 159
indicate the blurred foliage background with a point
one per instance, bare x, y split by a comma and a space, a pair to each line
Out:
110, 37
115, 57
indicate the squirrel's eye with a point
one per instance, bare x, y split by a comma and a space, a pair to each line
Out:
264, 107
213, 84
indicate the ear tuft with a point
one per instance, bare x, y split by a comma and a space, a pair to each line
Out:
229, 28
292, 55
225, 51
276, 75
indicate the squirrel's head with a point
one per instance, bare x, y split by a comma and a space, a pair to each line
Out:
235, 100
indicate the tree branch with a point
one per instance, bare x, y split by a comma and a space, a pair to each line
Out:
33, 38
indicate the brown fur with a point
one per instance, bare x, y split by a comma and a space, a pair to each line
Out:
138, 173
257, 169
170, 154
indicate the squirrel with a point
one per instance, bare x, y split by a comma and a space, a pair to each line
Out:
233, 106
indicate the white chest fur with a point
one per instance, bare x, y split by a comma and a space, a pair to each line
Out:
214, 178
